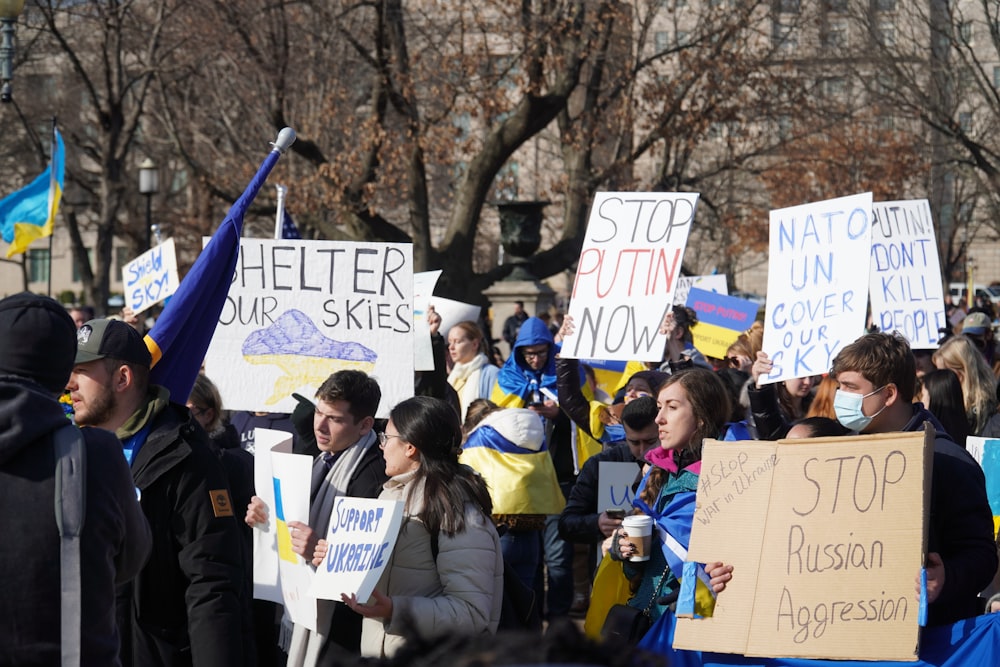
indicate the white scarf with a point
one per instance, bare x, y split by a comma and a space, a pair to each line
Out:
460, 377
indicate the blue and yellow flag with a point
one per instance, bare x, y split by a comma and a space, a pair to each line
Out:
29, 213
181, 335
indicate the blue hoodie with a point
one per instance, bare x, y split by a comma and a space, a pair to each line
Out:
517, 381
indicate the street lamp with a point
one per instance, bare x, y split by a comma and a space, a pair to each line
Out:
149, 185
9, 11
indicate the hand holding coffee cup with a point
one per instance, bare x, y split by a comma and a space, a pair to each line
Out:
637, 534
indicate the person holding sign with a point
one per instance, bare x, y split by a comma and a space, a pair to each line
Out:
445, 574
877, 375
693, 405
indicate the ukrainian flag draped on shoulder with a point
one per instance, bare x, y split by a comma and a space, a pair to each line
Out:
30, 213
508, 449
181, 335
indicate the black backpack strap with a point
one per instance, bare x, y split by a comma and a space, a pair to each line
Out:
70, 506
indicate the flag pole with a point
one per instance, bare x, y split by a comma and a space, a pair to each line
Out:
52, 153
279, 216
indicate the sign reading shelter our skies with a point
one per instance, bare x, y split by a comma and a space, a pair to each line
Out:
298, 311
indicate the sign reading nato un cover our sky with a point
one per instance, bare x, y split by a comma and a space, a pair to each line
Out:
906, 290
817, 283
298, 311
628, 270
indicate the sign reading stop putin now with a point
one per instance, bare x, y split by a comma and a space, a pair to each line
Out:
826, 537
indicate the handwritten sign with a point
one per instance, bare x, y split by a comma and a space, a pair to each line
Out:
614, 485
362, 535
715, 282
906, 291
627, 274
151, 277
817, 287
827, 534
721, 319
298, 311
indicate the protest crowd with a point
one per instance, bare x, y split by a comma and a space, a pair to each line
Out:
468, 500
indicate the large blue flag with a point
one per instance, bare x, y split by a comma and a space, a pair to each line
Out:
181, 335
29, 213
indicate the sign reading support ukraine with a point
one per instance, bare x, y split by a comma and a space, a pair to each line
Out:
906, 290
360, 540
721, 319
817, 284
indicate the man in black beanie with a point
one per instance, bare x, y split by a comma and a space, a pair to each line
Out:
37, 348
187, 606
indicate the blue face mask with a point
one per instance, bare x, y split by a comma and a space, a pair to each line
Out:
849, 410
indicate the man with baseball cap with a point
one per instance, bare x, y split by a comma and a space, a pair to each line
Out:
978, 326
187, 606
37, 345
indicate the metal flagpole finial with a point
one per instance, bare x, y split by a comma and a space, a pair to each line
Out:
285, 139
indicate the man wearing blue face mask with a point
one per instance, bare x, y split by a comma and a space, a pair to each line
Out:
877, 377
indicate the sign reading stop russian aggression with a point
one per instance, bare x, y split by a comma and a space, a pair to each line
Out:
817, 284
627, 274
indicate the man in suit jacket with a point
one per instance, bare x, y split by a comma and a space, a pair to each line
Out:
350, 463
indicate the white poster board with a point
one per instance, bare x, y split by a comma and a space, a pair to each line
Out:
627, 274
614, 485
298, 311
452, 312
817, 284
266, 583
151, 277
906, 291
423, 288
362, 534
711, 283
291, 475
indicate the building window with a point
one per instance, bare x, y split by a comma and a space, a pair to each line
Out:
885, 5
682, 38
789, 6
661, 41
784, 127
886, 122
77, 273
965, 32
835, 87
996, 76
784, 37
836, 33
886, 32
122, 257
965, 121
836, 6
38, 265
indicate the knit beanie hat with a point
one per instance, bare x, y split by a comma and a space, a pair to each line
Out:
37, 340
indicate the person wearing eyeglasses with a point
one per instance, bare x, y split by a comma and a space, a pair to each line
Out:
445, 574
350, 464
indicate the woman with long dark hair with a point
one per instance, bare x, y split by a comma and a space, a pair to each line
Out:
693, 405
941, 394
445, 575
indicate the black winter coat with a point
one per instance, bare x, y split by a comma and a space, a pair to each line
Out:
114, 544
187, 607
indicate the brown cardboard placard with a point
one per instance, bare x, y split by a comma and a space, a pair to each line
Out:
826, 542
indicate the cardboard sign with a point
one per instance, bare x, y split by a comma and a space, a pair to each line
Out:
614, 485
151, 277
721, 319
817, 284
826, 537
712, 283
298, 311
361, 538
627, 274
906, 291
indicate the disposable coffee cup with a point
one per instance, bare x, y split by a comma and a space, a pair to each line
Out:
639, 528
